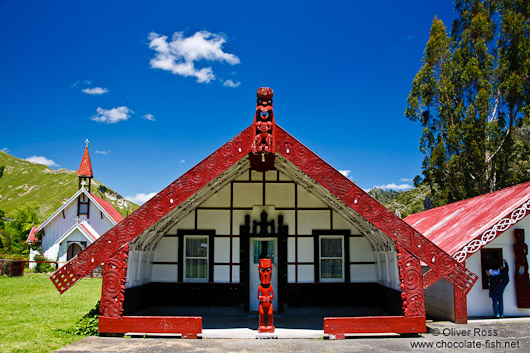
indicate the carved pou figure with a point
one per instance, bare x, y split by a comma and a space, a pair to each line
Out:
521, 251
265, 296
263, 141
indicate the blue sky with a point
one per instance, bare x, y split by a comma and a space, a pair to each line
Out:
157, 86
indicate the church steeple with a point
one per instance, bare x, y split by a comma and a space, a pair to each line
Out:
85, 169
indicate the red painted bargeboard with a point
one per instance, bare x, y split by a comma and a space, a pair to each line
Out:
339, 326
187, 326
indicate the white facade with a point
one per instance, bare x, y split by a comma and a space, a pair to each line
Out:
308, 220
439, 298
65, 227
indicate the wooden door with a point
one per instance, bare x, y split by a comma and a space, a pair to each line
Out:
262, 247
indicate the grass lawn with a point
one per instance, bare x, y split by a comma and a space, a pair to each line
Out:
34, 317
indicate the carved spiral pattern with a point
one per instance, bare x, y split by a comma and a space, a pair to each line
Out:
131, 224
319, 166
411, 278
329, 179
112, 283
300, 155
342, 188
113, 287
197, 174
159, 205
370, 207
211, 163
447, 264
109, 307
411, 283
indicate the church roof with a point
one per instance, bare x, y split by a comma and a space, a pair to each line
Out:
85, 168
105, 207
464, 227
84, 228
89, 230
112, 212
32, 237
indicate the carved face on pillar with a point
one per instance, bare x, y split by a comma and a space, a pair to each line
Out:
265, 271
264, 105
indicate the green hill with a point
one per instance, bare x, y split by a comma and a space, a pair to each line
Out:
23, 182
406, 202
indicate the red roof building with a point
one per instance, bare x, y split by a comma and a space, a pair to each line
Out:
196, 245
32, 237
111, 211
478, 231
77, 223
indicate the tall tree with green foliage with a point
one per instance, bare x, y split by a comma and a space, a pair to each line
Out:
17, 228
471, 97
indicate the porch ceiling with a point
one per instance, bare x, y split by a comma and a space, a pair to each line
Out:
149, 239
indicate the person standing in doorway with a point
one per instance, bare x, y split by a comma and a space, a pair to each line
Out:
498, 280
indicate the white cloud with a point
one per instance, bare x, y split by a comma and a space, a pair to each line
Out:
182, 161
230, 83
150, 117
394, 186
346, 173
404, 180
409, 37
42, 160
181, 54
140, 198
96, 91
112, 116
101, 152
5, 149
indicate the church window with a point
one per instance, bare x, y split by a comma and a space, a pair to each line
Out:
83, 205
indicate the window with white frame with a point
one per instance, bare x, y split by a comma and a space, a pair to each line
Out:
196, 258
331, 258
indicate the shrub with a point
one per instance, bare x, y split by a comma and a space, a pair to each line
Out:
43, 267
88, 325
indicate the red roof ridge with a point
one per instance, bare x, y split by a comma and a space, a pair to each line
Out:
107, 206
462, 228
489, 194
88, 228
85, 168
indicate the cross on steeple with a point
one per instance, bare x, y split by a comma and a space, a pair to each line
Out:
86, 141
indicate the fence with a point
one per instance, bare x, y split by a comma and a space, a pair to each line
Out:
13, 268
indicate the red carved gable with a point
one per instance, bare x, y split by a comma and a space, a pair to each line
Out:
290, 149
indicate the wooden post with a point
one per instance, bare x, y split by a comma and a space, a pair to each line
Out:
460, 302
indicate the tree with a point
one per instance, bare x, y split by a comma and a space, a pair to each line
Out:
17, 228
471, 97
